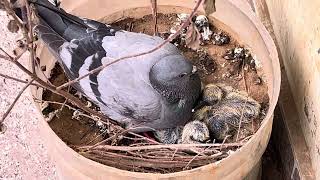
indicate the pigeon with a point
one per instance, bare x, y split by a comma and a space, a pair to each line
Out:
145, 93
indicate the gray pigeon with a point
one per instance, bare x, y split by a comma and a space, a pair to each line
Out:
149, 92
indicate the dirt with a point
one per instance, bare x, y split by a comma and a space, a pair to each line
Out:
73, 131
213, 68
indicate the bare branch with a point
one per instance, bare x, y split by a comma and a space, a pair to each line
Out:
19, 80
14, 102
183, 26
154, 15
30, 37
160, 146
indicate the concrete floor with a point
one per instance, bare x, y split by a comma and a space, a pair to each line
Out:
22, 154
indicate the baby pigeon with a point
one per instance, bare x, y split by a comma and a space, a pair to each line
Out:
192, 133
226, 107
150, 92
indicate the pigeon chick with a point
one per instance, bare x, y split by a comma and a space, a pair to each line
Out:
155, 91
226, 107
192, 132
168, 136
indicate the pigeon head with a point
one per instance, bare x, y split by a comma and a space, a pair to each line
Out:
175, 78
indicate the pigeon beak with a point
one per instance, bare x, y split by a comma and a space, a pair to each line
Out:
194, 69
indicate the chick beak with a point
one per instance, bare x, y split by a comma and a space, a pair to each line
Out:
194, 69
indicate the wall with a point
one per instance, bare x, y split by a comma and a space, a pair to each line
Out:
296, 26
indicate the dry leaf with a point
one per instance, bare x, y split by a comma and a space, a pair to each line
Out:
13, 26
193, 37
209, 6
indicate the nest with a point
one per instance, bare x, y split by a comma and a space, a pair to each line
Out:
110, 144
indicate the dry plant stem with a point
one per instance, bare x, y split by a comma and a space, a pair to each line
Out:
14, 102
184, 25
193, 159
30, 37
165, 146
110, 138
9, 10
7, 6
105, 131
8, 57
19, 80
33, 76
246, 88
144, 138
65, 94
68, 106
154, 14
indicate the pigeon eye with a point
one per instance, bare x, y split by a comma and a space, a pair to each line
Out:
183, 74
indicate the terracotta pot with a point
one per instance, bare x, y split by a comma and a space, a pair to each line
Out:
235, 14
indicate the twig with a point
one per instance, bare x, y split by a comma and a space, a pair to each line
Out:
96, 70
154, 15
144, 138
9, 10
242, 110
68, 106
105, 131
4, 57
166, 146
19, 80
109, 139
10, 58
194, 159
224, 140
30, 37
14, 102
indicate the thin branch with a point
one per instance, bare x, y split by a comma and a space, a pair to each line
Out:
65, 94
9, 57
183, 26
14, 102
19, 80
164, 146
154, 15
4, 57
30, 37
20, 23
242, 110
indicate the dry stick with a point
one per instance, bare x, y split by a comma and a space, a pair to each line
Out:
68, 106
19, 80
194, 158
8, 57
4, 57
65, 94
19, 22
30, 37
154, 14
14, 102
105, 131
241, 117
166, 146
96, 70
224, 140
144, 138
109, 139
7, 6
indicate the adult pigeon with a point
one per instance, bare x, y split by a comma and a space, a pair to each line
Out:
149, 92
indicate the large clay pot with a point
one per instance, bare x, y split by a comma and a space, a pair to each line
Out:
235, 14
